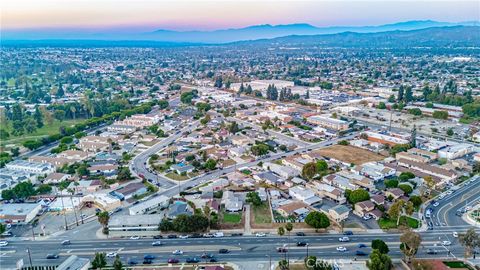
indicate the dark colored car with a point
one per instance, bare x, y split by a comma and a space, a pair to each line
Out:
212, 260
196, 235
148, 257
237, 234
173, 260
192, 260
361, 245
361, 253
348, 233
301, 244
223, 250
52, 256
300, 234
171, 236
147, 261
431, 251
282, 249
132, 262
157, 237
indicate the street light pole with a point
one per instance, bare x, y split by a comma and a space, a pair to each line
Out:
33, 233
29, 257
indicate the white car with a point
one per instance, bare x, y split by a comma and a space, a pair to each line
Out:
183, 236
177, 252
260, 234
367, 217
111, 254
135, 237
3, 243
341, 249
344, 239
446, 243
455, 234
436, 204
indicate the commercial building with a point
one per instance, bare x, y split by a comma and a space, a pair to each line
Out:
328, 122
147, 206
19, 212
455, 151
30, 167
390, 139
137, 225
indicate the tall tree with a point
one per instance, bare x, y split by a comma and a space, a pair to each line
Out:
401, 92
38, 117
380, 245
379, 261
117, 264
470, 240
410, 242
99, 261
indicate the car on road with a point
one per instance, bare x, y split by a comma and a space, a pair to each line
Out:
66, 242
301, 244
177, 252
149, 257
361, 245
183, 236
157, 243
132, 262
237, 234
282, 249
207, 235
52, 256
446, 243
223, 251
173, 260
348, 233
135, 237
157, 237
341, 249
300, 234
147, 261
206, 256
436, 204
260, 234
431, 251
455, 234
171, 236
361, 253
213, 259
192, 260
111, 254
3, 243
344, 239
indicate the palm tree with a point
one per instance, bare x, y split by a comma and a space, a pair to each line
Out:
289, 228
281, 231
103, 218
73, 110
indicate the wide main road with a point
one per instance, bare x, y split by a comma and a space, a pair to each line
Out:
241, 248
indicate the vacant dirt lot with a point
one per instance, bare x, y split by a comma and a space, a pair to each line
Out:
349, 154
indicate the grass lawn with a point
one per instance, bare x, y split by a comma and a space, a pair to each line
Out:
262, 214
386, 223
231, 218
456, 264
177, 177
41, 132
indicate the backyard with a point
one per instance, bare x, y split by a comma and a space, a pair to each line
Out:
261, 214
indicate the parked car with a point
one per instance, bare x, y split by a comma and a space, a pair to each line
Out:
300, 234
183, 236
3, 243
132, 262
135, 237
348, 233
207, 235
260, 234
171, 236
223, 250
157, 237
173, 260
361, 253
192, 260
149, 257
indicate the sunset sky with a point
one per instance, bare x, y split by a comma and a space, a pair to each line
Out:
208, 15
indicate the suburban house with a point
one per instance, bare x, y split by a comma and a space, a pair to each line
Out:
232, 202
338, 213
363, 208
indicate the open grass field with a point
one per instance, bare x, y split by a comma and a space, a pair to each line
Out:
39, 133
261, 214
349, 154
177, 177
386, 224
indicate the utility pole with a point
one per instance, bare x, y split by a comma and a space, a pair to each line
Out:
30, 257
33, 233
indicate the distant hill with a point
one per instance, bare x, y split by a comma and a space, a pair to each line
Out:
264, 31
452, 36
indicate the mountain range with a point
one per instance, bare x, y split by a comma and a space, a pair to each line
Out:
256, 32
